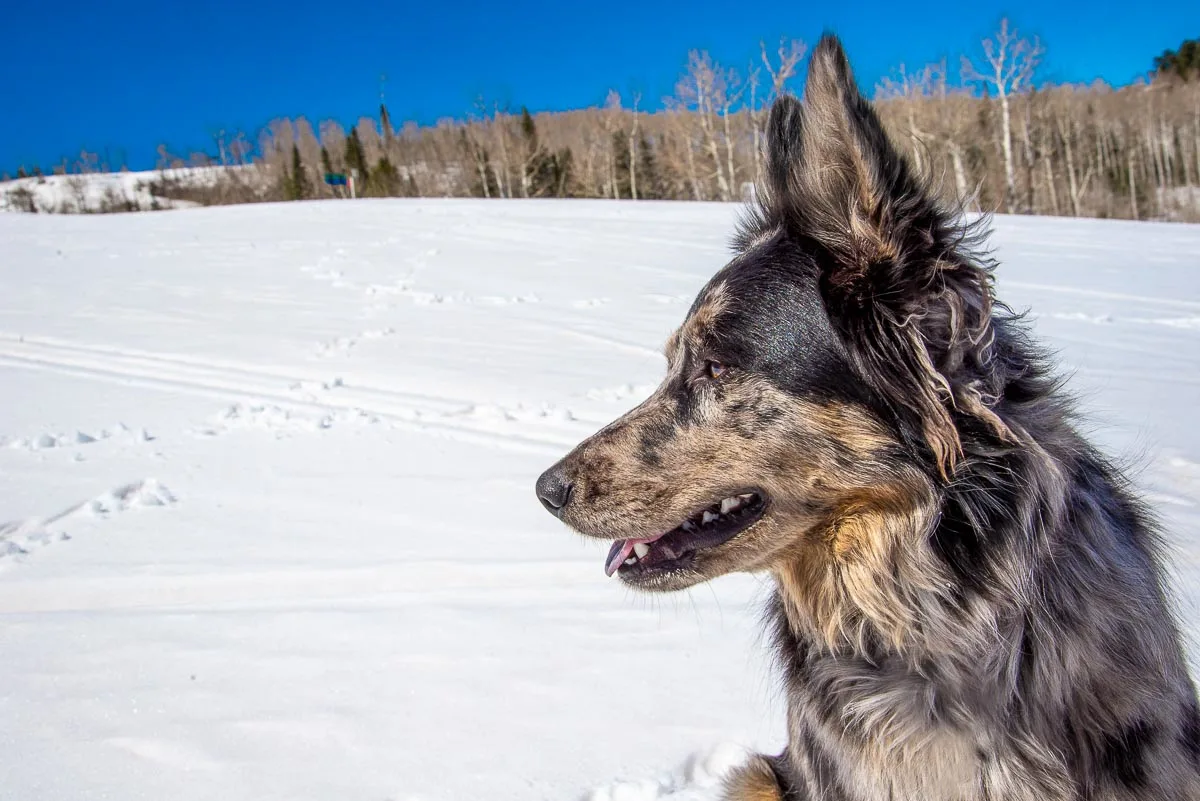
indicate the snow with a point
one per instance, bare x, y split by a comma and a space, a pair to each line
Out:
102, 191
267, 524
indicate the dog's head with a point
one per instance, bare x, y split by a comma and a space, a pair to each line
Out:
818, 385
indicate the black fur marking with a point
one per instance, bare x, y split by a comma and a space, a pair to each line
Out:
958, 543
976, 519
1189, 732
774, 324
1123, 753
791, 786
828, 783
791, 651
651, 438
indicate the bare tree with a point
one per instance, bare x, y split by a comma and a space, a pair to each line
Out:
1007, 69
704, 90
633, 152
781, 69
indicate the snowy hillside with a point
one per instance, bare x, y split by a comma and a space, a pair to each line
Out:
104, 191
267, 523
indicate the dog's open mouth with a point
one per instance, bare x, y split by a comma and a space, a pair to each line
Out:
707, 528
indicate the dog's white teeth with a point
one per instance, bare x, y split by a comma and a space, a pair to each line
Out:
689, 526
709, 517
631, 561
729, 504
641, 549
749, 496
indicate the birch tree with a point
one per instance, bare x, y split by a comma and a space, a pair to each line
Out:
1007, 69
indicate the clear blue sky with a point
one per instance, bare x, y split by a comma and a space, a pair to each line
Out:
128, 75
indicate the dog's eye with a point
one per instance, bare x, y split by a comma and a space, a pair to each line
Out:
713, 370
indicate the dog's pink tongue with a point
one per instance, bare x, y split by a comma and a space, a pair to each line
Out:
617, 555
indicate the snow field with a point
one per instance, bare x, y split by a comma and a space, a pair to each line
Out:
267, 524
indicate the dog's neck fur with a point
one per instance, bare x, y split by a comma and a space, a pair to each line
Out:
1045, 640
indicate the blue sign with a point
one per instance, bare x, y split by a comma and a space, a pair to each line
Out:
335, 179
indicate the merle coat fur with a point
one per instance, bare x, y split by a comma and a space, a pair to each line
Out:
970, 600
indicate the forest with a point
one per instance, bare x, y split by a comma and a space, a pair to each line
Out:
987, 134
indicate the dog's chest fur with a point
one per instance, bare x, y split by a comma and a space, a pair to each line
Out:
910, 757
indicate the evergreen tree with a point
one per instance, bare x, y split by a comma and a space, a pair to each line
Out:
21, 172
385, 179
649, 177
1184, 62
385, 121
545, 174
326, 164
356, 158
299, 184
561, 170
528, 130
620, 156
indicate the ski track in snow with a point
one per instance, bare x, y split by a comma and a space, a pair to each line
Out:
289, 395
1182, 323
360, 580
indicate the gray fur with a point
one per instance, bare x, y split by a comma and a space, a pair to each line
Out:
1019, 643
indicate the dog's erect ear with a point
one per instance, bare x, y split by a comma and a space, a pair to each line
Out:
834, 175
914, 307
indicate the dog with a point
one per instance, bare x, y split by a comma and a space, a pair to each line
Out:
970, 601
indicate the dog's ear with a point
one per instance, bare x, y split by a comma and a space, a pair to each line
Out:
913, 304
834, 175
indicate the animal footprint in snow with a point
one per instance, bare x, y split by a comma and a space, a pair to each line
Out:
48, 441
488, 412
131, 496
620, 393
344, 344
282, 421
18, 537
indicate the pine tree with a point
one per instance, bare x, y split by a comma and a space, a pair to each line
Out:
21, 172
545, 174
1184, 62
621, 163
528, 129
299, 184
650, 184
562, 173
356, 158
385, 121
385, 179
533, 167
326, 164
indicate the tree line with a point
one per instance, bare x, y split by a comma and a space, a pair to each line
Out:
989, 136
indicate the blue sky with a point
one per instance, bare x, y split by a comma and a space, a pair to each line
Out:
128, 75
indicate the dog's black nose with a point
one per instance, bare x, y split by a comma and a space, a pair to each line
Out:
554, 490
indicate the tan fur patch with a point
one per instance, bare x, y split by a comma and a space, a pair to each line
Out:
851, 427
703, 319
844, 586
754, 781
671, 347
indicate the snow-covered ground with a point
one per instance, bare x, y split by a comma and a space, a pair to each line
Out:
103, 191
266, 494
